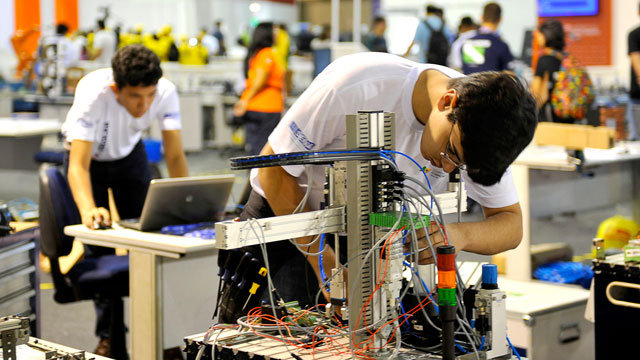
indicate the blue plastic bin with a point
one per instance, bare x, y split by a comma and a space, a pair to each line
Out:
154, 150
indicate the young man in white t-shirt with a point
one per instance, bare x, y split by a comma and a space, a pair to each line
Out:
111, 109
443, 120
104, 44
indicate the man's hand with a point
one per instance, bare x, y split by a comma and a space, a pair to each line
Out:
425, 256
96, 216
240, 108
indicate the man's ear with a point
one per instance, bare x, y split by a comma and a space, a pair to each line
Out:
448, 100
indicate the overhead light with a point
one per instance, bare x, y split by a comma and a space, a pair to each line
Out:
254, 7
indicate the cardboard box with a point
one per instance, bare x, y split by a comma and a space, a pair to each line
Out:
574, 137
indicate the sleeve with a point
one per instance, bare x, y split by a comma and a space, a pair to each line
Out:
634, 41
421, 34
312, 123
87, 109
169, 114
98, 41
507, 58
264, 59
545, 64
495, 196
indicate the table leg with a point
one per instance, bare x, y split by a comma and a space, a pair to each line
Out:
146, 335
519, 259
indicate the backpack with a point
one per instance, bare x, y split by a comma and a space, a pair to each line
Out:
438, 50
573, 91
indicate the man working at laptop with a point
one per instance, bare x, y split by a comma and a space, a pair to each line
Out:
111, 109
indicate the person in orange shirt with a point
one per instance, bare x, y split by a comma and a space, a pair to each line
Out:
262, 102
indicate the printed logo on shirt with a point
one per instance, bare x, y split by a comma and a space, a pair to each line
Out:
300, 137
473, 51
171, 115
84, 123
103, 139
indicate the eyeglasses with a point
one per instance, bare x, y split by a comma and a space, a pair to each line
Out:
445, 155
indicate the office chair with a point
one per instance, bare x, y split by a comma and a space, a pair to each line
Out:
105, 277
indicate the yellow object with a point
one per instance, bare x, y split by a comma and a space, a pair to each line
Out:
617, 231
192, 55
281, 48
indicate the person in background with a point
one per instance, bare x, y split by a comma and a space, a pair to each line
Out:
423, 33
104, 44
375, 40
262, 101
633, 110
192, 52
103, 130
486, 51
550, 38
210, 42
323, 40
304, 38
282, 45
466, 30
217, 33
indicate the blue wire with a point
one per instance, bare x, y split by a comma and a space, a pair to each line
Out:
410, 158
514, 349
423, 284
481, 343
419, 167
323, 276
460, 347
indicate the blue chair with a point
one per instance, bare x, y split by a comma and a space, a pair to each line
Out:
105, 277
321, 59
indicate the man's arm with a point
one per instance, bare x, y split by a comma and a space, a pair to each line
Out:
501, 230
174, 153
283, 195
635, 63
406, 53
80, 184
539, 89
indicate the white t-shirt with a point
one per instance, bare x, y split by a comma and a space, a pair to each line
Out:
368, 81
97, 116
105, 40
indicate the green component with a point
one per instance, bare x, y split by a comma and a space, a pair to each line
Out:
632, 252
446, 297
388, 219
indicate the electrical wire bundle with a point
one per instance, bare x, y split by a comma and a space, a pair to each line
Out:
324, 335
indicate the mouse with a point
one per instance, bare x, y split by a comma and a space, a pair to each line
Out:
100, 226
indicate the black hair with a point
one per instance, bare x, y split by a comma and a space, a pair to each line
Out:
378, 19
497, 116
492, 13
262, 38
62, 29
101, 24
431, 9
553, 34
135, 65
467, 21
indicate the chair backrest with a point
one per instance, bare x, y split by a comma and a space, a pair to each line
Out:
321, 59
57, 210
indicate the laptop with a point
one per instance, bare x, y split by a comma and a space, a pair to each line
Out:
186, 200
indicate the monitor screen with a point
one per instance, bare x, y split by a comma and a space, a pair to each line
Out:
567, 7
